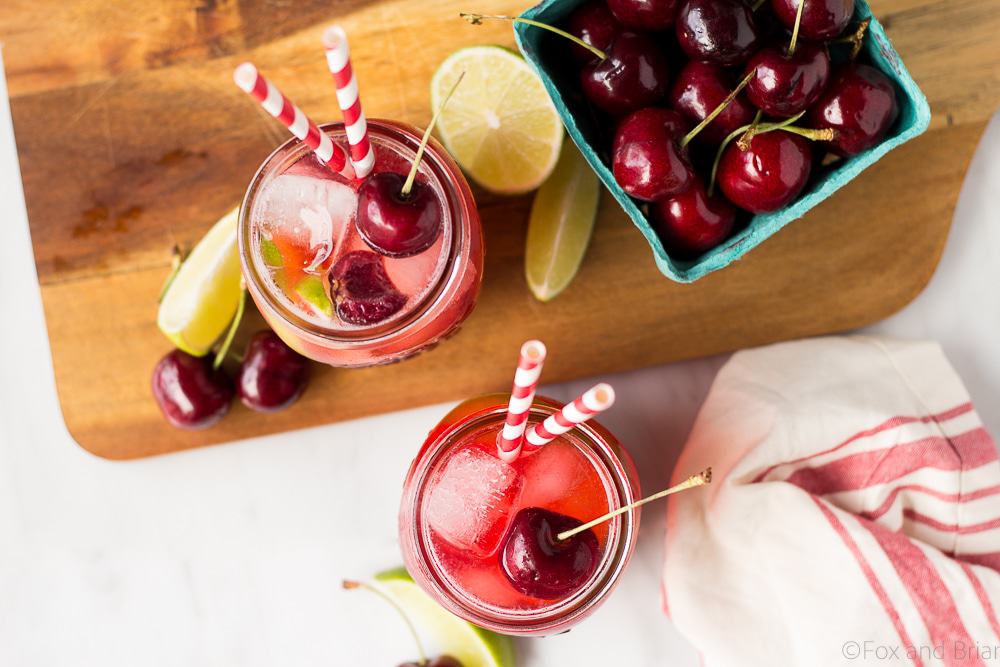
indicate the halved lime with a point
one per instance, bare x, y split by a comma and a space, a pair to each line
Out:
561, 222
500, 125
472, 646
199, 304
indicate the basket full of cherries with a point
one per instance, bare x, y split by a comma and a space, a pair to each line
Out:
715, 123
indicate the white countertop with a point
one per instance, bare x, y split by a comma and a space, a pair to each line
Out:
233, 555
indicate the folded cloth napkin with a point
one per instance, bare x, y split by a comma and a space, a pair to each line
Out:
853, 517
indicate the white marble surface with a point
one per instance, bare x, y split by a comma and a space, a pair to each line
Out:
233, 555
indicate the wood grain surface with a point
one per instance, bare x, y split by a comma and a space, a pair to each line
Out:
132, 136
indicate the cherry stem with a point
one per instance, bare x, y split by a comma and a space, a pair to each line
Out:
759, 129
349, 585
227, 342
795, 30
744, 141
408, 185
177, 258
757, 5
717, 110
826, 134
856, 40
701, 479
477, 19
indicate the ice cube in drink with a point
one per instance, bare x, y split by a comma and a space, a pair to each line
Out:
471, 499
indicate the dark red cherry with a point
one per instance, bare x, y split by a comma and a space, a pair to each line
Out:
189, 392
860, 105
648, 15
769, 174
692, 223
716, 31
783, 85
272, 375
397, 224
698, 90
362, 291
539, 565
593, 23
634, 75
647, 159
821, 19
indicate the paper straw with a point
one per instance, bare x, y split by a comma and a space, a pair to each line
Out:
338, 59
522, 395
593, 401
275, 103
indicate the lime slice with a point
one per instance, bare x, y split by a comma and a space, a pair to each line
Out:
472, 646
199, 304
561, 222
500, 124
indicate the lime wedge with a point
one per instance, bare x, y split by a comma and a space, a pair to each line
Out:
199, 304
561, 222
500, 125
472, 646
312, 292
269, 251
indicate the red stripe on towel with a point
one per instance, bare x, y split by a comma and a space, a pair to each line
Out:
928, 591
865, 469
893, 422
873, 581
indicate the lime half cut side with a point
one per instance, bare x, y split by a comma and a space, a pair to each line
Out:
561, 223
500, 125
201, 300
447, 634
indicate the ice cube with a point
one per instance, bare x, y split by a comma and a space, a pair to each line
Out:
472, 499
310, 212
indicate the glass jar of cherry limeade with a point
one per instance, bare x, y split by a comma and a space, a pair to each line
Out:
322, 288
460, 501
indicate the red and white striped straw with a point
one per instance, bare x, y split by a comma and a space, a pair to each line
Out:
338, 59
595, 400
529, 368
275, 103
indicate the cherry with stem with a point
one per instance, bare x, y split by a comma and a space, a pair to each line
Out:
649, 152
791, 79
772, 171
716, 111
397, 217
747, 133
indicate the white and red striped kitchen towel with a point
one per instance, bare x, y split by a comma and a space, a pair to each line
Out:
853, 518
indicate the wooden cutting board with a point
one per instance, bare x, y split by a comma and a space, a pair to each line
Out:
132, 136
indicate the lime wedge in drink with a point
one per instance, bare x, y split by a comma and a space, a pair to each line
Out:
561, 222
313, 292
500, 125
472, 646
201, 300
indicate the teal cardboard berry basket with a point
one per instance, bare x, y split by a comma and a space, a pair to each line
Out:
583, 128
